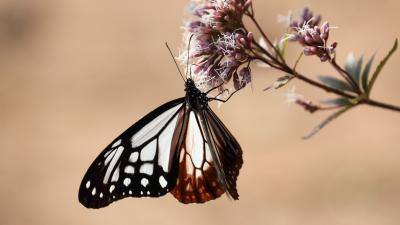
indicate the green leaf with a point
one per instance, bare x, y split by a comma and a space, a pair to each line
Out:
353, 67
327, 121
357, 74
380, 66
280, 82
337, 102
365, 74
283, 43
335, 83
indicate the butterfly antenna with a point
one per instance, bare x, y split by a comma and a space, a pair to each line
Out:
188, 57
173, 58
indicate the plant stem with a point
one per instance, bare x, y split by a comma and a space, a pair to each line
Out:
380, 105
321, 86
314, 83
346, 76
266, 37
288, 70
275, 61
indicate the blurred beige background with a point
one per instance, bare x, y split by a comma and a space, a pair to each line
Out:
74, 74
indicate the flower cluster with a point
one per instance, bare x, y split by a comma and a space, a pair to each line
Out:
220, 45
313, 37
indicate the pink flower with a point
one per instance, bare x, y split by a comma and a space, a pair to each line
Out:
220, 44
313, 37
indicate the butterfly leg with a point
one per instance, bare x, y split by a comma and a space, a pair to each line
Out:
223, 100
222, 92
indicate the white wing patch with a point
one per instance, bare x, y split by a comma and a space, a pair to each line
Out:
129, 169
112, 164
147, 168
117, 143
110, 154
134, 157
163, 181
164, 144
152, 128
144, 182
87, 184
149, 151
115, 175
127, 181
208, 153
194, 139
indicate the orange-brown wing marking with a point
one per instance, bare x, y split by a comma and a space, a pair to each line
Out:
197, 180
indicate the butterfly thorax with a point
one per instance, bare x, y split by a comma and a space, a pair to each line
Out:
194, 97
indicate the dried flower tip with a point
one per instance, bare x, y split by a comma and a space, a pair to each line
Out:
306, 17
293, 97
245, 73
241, 79
308, 105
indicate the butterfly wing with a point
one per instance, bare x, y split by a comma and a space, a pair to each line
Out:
209, 159
227, 149
138, 162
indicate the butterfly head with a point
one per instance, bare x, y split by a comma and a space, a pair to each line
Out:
194, 96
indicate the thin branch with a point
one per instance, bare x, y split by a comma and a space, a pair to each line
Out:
310, 81
266, 37
264, 51
380, 104
346, 76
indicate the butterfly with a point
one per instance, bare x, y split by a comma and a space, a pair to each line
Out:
181, 147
